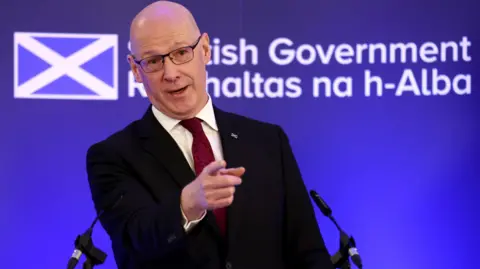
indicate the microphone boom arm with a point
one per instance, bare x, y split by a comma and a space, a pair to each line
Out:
347, 244
94, 255
341, 258
84, 244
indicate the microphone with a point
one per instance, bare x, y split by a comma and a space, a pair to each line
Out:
347, 244
84, 243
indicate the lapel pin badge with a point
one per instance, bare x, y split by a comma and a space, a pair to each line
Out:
234, 135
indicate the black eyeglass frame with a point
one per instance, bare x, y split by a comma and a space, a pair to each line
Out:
162, 56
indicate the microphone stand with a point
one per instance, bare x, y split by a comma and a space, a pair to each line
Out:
341, 258
84, 245
348, 248
94, 255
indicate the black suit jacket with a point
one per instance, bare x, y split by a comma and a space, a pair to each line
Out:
271, 223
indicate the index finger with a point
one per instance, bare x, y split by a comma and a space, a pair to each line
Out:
214, 166
238, 171
225, 181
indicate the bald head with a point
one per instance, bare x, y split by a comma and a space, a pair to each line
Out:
162, 21
175, 85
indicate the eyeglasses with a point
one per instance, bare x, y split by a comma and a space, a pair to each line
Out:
178, 56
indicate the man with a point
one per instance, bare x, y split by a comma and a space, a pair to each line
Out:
182, 207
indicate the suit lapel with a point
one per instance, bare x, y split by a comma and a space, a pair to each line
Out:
234, 154
230, 138
159, 143
162, 147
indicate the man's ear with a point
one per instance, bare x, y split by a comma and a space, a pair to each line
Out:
206, 51
134, 67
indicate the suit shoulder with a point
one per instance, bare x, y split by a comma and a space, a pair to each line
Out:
252, 123
116, 140
264, 133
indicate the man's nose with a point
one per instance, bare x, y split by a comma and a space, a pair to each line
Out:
170, 70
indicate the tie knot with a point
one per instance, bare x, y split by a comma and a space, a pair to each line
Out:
193, 125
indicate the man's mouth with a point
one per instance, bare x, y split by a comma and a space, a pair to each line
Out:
179, 90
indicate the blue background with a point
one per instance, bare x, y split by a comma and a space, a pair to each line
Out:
401, 173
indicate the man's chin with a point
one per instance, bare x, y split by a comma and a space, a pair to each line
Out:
186, 106
184, 109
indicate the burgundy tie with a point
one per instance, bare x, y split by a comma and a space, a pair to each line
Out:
202, 156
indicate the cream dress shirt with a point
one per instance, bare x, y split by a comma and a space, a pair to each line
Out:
184, 140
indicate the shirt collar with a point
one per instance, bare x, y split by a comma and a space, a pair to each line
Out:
206, 114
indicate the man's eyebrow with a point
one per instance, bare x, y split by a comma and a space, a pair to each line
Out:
148, 53
174, 46
178, 44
